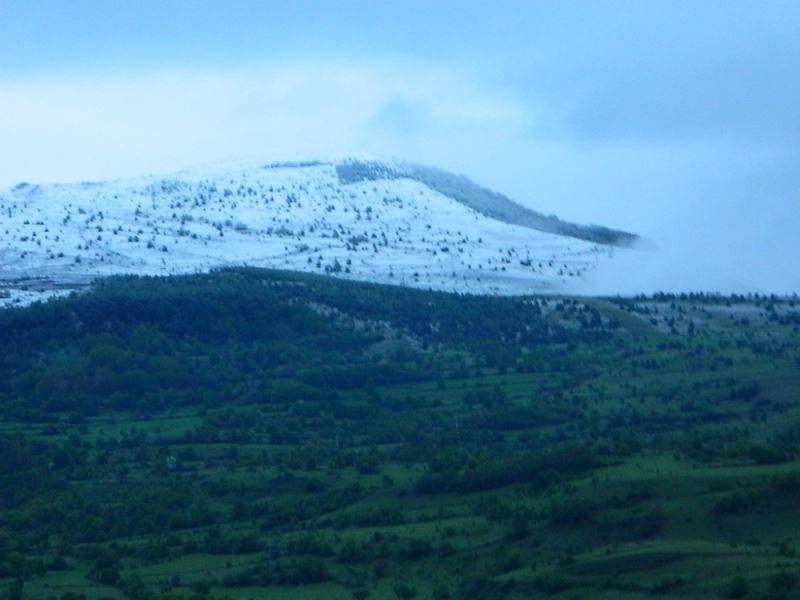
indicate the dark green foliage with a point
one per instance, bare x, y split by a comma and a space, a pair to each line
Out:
570, 512
765, 455
253, 335
256, 429
404, 591
642, 527
737, 588
782, 585
538, 469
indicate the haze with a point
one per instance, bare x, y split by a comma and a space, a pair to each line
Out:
676, 120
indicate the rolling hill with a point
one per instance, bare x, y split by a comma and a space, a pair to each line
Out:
383, 222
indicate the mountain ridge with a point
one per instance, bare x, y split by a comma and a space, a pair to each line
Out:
484, 200
387, 222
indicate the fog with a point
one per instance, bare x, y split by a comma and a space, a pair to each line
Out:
675, 121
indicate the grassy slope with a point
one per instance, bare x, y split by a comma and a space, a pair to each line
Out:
650, 519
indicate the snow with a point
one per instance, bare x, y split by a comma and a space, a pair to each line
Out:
287, 217
16, 297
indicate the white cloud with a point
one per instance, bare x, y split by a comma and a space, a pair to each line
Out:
78, 128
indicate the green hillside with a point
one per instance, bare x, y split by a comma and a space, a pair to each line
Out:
263, 434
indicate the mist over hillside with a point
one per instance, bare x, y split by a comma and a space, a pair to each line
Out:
481, 199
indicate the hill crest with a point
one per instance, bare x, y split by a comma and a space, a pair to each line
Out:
386, 222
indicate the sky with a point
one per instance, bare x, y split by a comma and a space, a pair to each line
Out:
674, 119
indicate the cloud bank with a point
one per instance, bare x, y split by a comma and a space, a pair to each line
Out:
717, 200
69, 129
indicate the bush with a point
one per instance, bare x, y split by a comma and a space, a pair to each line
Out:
768, 455
737, 588
572, 512
404, 591
782, 585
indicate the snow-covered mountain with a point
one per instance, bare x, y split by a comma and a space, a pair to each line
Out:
378, 221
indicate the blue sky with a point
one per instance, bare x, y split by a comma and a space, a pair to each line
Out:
675, 119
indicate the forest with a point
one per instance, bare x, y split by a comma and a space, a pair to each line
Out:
252, 433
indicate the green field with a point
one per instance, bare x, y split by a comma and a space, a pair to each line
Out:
256, 434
